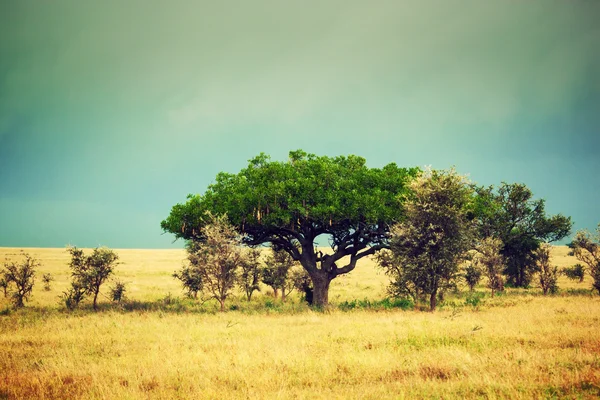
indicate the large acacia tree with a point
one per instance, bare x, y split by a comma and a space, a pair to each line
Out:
296, 204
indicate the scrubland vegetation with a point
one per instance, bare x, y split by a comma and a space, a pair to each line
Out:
159, 344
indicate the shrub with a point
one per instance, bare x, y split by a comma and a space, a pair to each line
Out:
20, 277
117, 291
575, 273
472, 276
47, 278
548, 275
73, 296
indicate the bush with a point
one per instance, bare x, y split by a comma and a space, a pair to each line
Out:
472, 276
575, 273
20, 277
72, 297
47, 278
117, 291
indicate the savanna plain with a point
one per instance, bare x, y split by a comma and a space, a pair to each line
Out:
159, 344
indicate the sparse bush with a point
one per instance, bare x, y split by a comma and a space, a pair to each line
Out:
575, 273
489, 258
47, 279
216, 258
73, 296
548, 275
190, 279
249, 276
20, 277
586, 247
276, 273
90, 272
472, 276
117, 291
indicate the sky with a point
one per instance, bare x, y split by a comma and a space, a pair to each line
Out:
111, 112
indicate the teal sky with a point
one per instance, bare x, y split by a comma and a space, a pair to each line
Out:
113, 111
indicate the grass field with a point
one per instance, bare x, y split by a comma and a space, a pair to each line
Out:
518, 345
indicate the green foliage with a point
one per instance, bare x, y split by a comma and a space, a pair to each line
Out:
249, 276
290, 204
586, 247
489, 259
520, 222
474, 299
19, 278
190, 279
548, 275
385, 304
117, 291
433, 239
276, 272
73, 296
472, 276
217, 257
88, 273
575, 272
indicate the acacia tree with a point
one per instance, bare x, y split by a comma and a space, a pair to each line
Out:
89, 273
216, 258
293, 204
429, 245
489, 259
19, 278
249, 275
548, 275
586, 247
520, 222
276, 272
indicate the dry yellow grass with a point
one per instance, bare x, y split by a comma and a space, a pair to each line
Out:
519, 345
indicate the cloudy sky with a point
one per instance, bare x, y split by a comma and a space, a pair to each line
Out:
113, 111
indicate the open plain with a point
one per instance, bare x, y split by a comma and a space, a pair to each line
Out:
518, 345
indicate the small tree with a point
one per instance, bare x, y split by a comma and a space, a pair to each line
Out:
249, 276
90, 272
21, 275
548, 274
432, 241
586, 247
190, 279
575, 273
472, 276
488, 257
117, 291
47, 279
276, 272
217, 257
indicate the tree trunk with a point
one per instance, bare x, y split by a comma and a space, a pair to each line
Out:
433, 300
283, 294
321, 290
222, 302
275, 292
96, 300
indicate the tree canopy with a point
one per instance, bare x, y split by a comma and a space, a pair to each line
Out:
291, 204
512, 215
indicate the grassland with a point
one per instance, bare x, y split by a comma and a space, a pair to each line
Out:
519, 345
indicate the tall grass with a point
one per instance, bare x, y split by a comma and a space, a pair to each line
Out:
519, 345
